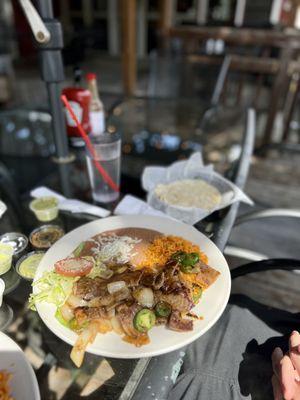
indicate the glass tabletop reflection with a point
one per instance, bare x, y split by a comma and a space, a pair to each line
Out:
58, 377
144, 142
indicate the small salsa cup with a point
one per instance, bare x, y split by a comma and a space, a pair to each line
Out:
27, 265
44, 208
43, 237
18, 241
6, 255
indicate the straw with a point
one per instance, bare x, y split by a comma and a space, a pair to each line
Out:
89, 145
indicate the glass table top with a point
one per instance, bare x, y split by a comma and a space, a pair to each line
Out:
98, 378
57, 376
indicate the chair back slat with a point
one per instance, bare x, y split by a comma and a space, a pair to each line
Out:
202, 11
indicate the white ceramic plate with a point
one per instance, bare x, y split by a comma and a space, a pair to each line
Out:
162, 340
23, 383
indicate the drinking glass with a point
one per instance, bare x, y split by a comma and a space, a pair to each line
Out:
107, 148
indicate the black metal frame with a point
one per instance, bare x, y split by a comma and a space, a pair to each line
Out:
286, 264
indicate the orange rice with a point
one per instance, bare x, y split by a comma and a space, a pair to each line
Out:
162, 248
4, 386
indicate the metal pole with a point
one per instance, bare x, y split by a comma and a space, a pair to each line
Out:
52, 72
45, 8
201, 12
58, 121
240, 13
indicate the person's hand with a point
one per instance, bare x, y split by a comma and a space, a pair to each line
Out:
286, 378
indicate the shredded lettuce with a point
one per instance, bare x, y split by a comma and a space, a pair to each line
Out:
60, 318
55, 288
52, 288
72, 324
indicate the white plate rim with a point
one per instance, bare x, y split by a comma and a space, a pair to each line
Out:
69, 337
5, 338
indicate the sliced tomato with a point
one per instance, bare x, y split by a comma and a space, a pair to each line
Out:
76, 266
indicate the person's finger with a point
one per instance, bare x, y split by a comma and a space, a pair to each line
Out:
295, 350
277, 393
277, 356
287, 378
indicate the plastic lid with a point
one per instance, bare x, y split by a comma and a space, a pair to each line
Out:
6, 249
90, 76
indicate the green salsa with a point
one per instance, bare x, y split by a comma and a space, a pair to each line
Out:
45, 203
6, 253
28, 266
45, 208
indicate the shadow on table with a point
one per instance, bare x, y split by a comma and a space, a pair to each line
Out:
255, 370
98, 377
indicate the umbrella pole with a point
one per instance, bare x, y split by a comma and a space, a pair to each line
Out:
52, 73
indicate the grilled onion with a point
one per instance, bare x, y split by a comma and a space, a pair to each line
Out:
116, 325
144, 296
111, 312
75, 301
114, 287
121, 270
66, 312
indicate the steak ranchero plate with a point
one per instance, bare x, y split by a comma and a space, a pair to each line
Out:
162, 340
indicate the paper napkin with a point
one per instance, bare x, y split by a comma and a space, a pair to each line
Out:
192, 168
132, 205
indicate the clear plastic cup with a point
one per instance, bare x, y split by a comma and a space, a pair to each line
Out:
108, 152
44, 208
27, 265
6, 255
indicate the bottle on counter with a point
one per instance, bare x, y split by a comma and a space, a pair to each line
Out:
79, 99
96, 112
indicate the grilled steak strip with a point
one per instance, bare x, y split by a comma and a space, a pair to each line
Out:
126, 313
88, 288
207, 275
131, 278
84, 314
176, 323
179, 300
